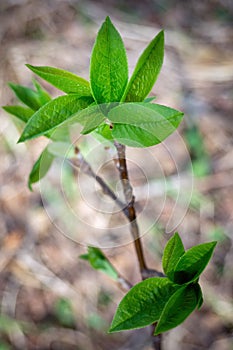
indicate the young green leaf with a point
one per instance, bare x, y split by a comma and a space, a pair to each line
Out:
103, 133
28, 96
22, 113
40, 168
146, 71
143, 304
108, 68
64, 312
143, 124
93, 123
173, 251
90, 118
43, 95
193, 262
62, 79
99, 262
53, 114
61, 149
59, 134
133, 136
180, 305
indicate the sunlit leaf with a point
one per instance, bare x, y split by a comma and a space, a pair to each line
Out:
143, 124
27, 95
40, 168
62, 79
108, 68
173, 251
193, 262
22, 113
146, 71
143, 304
53, 114
180, 305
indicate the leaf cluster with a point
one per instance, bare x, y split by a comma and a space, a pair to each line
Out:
166, 300
110, 106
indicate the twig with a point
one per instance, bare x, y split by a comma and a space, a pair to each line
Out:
85, 168
123, 283
129, 212
129, 197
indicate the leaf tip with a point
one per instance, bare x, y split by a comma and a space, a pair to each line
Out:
29, 66
161, 33
11, 85
21, 139
30, 185
113, 329
109, 331
176, 234
108, 19
84, 256
214, 243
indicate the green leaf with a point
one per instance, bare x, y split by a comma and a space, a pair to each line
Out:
108, 68
180, 305
99, 262
90, 118
64, 312
40, 168
84, 257
143, 124
143, 304
193, 262
28, 96
22, 113
63, 80
61, 134
198, 294
61, 149
146, 71
133, 136
103, 133
173, 251
43, 95
53, 114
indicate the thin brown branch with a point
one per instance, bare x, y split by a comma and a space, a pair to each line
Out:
129, 197
129, 211
80, 163
123, 283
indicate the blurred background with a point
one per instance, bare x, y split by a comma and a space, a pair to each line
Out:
49, 298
